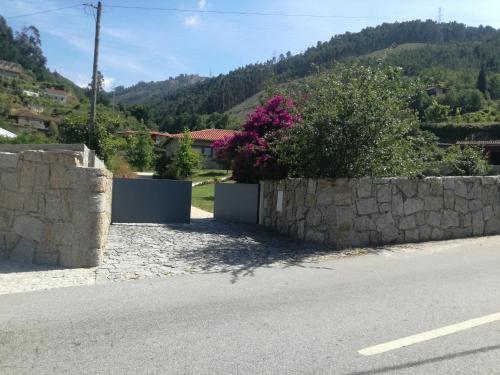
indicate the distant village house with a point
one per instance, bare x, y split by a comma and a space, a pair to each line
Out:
32, 120
56, 94
10, 69
7, 134
31, 94
202, 143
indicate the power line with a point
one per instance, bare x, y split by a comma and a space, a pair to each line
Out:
204, 11
44, 11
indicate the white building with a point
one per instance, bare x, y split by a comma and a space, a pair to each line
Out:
6, 134
32, 94
59, 95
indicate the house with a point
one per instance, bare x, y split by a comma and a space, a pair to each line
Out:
34, 121
56, 94
10, 69
6, 134
156, 137
202, 143
37, 108
31, 94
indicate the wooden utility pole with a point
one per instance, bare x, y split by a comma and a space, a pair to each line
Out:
93, 101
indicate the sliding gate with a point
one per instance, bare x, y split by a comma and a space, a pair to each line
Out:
151, 201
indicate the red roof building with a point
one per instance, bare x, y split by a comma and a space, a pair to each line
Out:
202, 143
210, 135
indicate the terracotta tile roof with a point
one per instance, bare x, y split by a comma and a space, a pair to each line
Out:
31, 115
52, 91
9, 66
160, 134
153, 133
210, 135
480, 143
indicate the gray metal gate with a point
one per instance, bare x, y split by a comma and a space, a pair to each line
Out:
151, 201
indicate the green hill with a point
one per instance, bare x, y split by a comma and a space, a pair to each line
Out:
451, 54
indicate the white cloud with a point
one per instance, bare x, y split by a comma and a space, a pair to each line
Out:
82, 80
202, 4
191, 21
109, 83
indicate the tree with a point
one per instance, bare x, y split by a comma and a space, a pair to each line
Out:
467, 161
482, 81
74, 129
494, 86
437, 112
185, 159
355, 123
140, 151
250, 152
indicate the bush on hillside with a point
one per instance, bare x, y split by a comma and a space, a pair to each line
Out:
466, 161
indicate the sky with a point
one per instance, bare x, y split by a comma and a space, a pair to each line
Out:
152, 45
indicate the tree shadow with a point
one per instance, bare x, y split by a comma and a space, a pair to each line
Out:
241, 249
408, 365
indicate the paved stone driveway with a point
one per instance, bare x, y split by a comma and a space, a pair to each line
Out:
153, 251
150, 251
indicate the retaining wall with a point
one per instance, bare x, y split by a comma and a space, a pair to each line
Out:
361, 212
54, 208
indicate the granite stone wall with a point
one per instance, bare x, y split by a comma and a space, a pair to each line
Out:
362, 212
54, 208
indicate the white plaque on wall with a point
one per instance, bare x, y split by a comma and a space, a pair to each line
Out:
279, 201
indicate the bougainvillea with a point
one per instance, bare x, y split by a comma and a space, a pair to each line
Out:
249, 152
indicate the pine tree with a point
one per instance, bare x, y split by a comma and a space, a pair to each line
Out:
482, 81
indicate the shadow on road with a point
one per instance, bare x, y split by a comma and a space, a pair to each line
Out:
408, 365
241, 249
17, 267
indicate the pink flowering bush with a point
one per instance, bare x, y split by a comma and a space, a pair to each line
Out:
249, 152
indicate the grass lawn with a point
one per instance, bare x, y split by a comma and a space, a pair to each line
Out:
203, 197
208, 174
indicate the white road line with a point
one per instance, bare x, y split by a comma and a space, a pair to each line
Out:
429, 335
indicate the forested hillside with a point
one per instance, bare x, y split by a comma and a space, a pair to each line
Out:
143, 92
25, 48
453, 47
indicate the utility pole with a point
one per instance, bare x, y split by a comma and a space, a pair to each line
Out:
440, 15
93, 101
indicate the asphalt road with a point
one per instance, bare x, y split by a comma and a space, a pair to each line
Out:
309, 319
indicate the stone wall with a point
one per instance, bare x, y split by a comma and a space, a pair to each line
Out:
54, 208
361, 212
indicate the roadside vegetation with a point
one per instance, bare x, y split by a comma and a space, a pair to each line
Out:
351, 122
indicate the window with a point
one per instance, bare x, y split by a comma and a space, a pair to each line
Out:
207, 151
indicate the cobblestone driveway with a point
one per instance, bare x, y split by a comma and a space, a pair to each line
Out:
153, 251
141, 251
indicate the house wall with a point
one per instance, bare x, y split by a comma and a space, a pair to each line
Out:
208, 161
33, 123
54, 208
5, 73
59, 98
361, 212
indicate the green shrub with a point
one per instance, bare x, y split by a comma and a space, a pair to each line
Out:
354, 123
181, 164
120, 167
466, 161
437, 112
185, 159
139, 152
